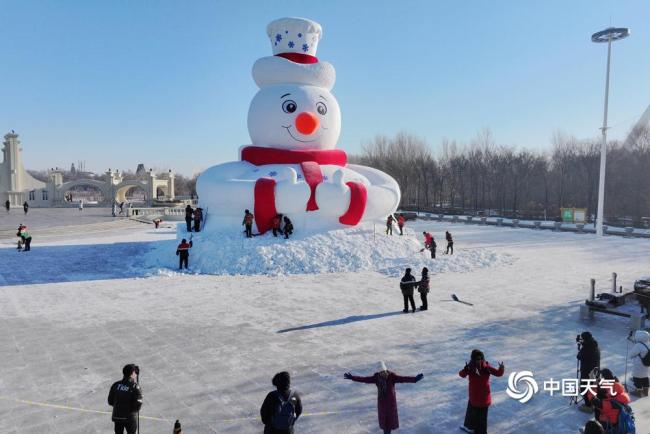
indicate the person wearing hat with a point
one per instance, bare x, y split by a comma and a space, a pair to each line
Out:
589, 356
639, 369
480, 398
183, 253
125, 397
400, 223
609, 398
385, 381
188, 217
248, 223
423, 288
282, 407
407, 285
198, 217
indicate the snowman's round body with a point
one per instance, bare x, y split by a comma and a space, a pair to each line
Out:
292, 167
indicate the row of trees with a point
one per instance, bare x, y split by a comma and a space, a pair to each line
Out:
485, 176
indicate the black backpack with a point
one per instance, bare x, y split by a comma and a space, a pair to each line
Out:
285, 412
646, 359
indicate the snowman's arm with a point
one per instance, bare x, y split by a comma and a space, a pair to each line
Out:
383, 192
221, 187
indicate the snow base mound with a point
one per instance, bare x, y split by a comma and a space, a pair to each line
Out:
347, 250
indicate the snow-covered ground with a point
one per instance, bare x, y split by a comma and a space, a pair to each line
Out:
77, 308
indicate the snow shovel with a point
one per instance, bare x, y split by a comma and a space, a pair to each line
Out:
453, 297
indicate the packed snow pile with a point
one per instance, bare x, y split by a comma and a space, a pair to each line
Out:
335, 251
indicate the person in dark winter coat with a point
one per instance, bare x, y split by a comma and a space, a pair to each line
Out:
125, 397
400, 223
423, 288
183, 253
288, 228
188, 217
198, 218
389, 225
248, 223
450, 243
589, 356
8, 205
282, 407
480, 398
275, 224
406, 285
385, 381
25, 207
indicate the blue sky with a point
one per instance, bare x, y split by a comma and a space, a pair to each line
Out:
168, 83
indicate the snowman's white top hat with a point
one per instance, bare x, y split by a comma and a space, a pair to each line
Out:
294, 42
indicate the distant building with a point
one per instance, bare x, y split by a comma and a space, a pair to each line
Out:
19, 186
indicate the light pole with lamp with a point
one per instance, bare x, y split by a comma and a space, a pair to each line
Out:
608, 35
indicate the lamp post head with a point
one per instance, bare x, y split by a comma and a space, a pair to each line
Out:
610, 34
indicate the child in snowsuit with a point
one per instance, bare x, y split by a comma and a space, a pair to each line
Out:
282, 407
288, 228
385, 381
639, 370
183, 253
423, 288
198, 218
400, 223
450, 243
275, 224
480, 398
406, 285
248, 223
389, 225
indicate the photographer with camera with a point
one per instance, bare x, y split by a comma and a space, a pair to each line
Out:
589, 358
125, 397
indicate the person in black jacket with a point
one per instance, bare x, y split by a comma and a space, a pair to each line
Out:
288, 228
183, 253
407, 284
198, 217
188, 217
450, 243
125, 397
282, 407
589, 356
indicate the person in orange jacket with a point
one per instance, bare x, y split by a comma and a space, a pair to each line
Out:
606, 412
275, 224
400, 223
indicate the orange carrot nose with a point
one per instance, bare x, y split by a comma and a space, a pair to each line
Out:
307, 123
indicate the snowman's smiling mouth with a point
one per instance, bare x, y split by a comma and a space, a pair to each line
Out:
288, 128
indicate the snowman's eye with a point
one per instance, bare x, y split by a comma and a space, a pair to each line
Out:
289, 106
321, 107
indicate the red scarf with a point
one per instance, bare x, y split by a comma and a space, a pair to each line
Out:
310, 161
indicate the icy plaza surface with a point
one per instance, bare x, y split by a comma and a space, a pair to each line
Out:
209, 345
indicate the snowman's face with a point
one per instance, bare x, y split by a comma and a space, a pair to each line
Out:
294, 117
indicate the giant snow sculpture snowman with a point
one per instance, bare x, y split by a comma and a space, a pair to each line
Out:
292, 167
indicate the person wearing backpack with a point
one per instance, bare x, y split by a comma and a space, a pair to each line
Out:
640, 356
385, 381
282, 407
610, 402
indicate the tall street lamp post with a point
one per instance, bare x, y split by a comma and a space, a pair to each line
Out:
608, 35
